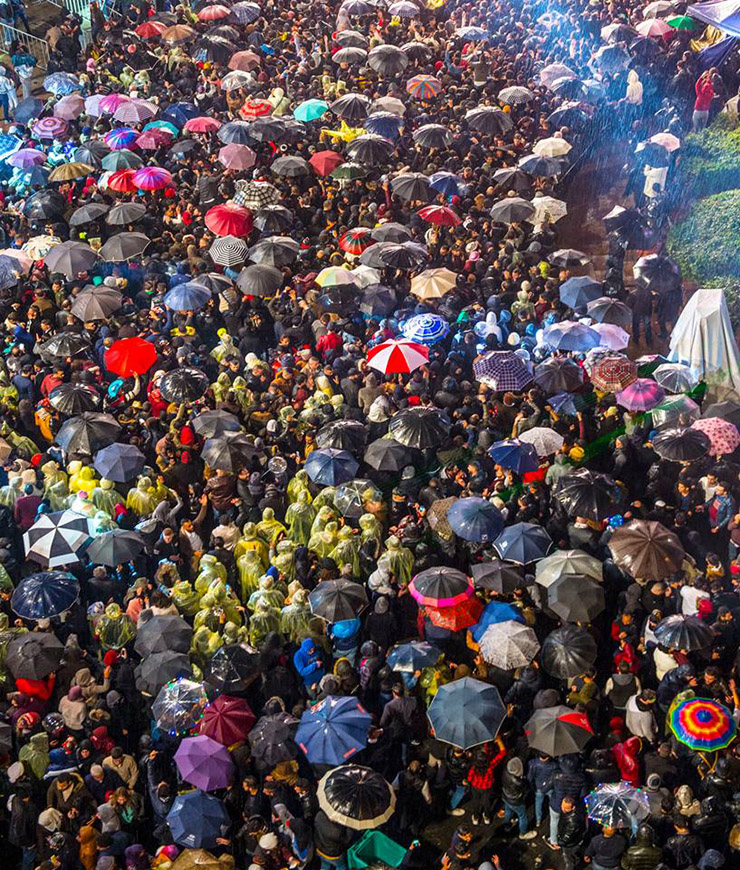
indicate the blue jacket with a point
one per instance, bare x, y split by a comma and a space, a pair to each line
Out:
726, 509
307, 663
539, 772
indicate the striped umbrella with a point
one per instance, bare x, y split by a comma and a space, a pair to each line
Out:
641, 395
111, 102
50, 128
135, 111
440, 215
356, 240
255, 109
229, 251
502, 370
702, 725
151, 178
122, 181
202, 125
123, 137
55, 538
426, 328
398, 356
423, 87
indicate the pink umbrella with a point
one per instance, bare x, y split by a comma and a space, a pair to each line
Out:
50, 128
722, 434
92, 105
151, 178
654, 27
202, 125
246, 61
612, 336
641, 395
135, 111
666, 140
26, 158
111, 102
204, 763
214, 12
70, 107
153, 138
236, 156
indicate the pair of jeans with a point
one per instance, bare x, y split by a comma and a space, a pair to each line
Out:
644, 319
28, 857
699, 121
539, 807
554, 820
520, 810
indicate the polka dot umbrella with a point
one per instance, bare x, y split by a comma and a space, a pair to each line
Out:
723, 436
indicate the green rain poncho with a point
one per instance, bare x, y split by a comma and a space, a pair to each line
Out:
35, 755
284, 559
141, 499
186, 599
400, 560
10, 493
250, 540
296, 619
224, 600
263, 621
268, 528
58, 493
234, 634
297, 485
7, 633
299, 517
324, 542
325, 498
105, 498
221, 387
371, 529
203, 645
242, 393
325, 515
268, 593
210, 569
250, 570
347, 550
52, 474
114, 628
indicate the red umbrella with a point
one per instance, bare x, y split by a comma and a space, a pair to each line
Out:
229, 219
325, 162
440, 215
255, 109
244, 61
202, 125
214, 12
398, 357
151, 29
151, 178
356, 241
455, 618
237, 156
122, 181
227, 720
130, 356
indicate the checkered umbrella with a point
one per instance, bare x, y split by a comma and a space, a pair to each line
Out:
613, 373
722, 434
256, 195
502, 370
55, 538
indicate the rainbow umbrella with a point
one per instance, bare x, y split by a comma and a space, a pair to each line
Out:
123, 137
424, 87
641, 395
151, 178
702, 725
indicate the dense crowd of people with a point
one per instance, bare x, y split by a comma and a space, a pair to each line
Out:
342, 520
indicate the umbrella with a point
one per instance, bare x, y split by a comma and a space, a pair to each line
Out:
124, 247
679, 444
370, 149
558, 375
441, 587
388, 60
545, 441
494, 613
179, 706
702, 725
557, 731
618, 805
273, 219
441, 215
571, 335
433, 136
45, 595
608, 310
159, 634
342, 435
228, 251
376, 298
229, 219
70, 171
351, 107
563, 562
227, 720
115, 547
515, 95
337, 600
514, 455
658, 272
475, 519
387, 454
727, 410
523, 543
310, 110
585, 493
275, 251
33, 656
489, 119
88, 433
26, 158
160, 668
724, 437
204, 763
446, 182
578, 292
466, 713
394, 356
456, 618
213, 424
197, 820
553, 146
613, 374
568, 651
73, 399
130, 356
424, 87
514, 180
646, 549
27, 110
412, 186
55, 538
119, 462
333, 730
228, 450
63, 345
681, 632
575, 598
356, 797
187, 297
259, 280
329, 467
187, 384
124, 213
675, 411
233, 668
502, 370
272, 739
410, 255
52, 128
498, 576
44, 205
351, 498
508, 645
420, 427
405, 658
676, 378
196, 859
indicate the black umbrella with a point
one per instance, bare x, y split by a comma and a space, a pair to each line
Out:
356, 797
576, 598
182, 148
233, 668
412, 186
420, 427
115, 547
158, 669
681, 445
235, 133
124, 246
440, 587
654, 155
608, 310
541, 167
433, 136
681, 632
119, 462
584, 493
568, 651
161, 633
378, 301
557, 731
370, 149
511, 179
97, 303
343, 435
229, 451
88, 213
73, 399
259, 280
187, 384
45, 205
215, 48
658, 272
498, 576
126, 213
273, 219
269, 129
646, 549
351, 107
290, 166
337, 600
388, 60
558, 375
88, 433
45, 595
33, 656
391, 232
63, 345
213, 424
387, 454
406, 255
92, 153
272, 739
489, 119
512, 209
275, 251
523, 543
727, 410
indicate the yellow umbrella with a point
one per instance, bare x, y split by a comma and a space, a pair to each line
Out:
433, 283
70, 171
335, 276
39, 246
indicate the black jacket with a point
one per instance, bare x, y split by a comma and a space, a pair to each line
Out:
571, 829
330, 839
683, 850
513, 788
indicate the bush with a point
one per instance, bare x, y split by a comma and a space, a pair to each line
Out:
710, 159
706, 243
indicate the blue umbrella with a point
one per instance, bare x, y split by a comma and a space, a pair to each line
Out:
329, 467
523, 543
426, 328
179, 113
563, 403
119, 462
36, 175
412, 656
333, 730
197, 819
385, 124
187, 297
62, 84
514, 454
495, 612
578, 292
466, 713
570, 335
27, 109
446, 182
44, 595
475, 519
472, 34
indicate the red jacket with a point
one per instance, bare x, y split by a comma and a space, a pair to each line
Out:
704, 94
484, 780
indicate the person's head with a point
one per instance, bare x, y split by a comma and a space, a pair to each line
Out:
116, 755
567, 805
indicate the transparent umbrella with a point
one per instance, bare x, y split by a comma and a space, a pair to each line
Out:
617, 805
179, 706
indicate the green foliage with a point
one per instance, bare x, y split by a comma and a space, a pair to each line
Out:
710, 159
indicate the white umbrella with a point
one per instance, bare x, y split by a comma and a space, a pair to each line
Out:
553, 146
548, 207
545, 441
55, 538
508, 645
676, 377
552, 567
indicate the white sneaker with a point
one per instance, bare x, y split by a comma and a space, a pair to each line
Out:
530, 835
458, 811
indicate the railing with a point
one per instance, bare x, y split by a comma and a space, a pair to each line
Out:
39, 48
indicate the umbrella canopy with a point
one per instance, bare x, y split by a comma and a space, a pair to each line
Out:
119, 462
124, 247
646, 549
197, 820
228, 720
456, 618
641, 395
493, 613
33, 656
97, 303
523, 543
356, 797
72, 399
233, 668
426, 329
405, 658
337, 600
558, 375
608, 310
475, 519
568, 651
675, 411
502, 370
130, 356
115, 547
702, 725
676, 377
160, 668
329, 467
571, 336
545, 441
557, 731
64, 344
724, 437
466, 713
441, 587
259, 280
568, 562
420, 427
575, 598
342, 435
187, 384
613, 373
204, 763
272, 739
333, 730
196, 859
681, 632
88, 433
45, 595
577, 292
398, 356
187, 297
56, 538
70, 258
228, 451
387, 454
509, 645
179, 706
585, 493
679, 444
433, 283
727, 410
618, 805
162, 633
497, 576
514, 455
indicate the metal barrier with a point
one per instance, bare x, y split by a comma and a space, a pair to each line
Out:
39, 48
